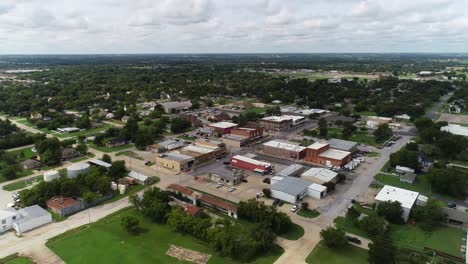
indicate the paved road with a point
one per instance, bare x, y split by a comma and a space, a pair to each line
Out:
433, 112
297, 251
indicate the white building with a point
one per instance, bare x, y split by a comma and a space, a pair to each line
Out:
292, 190
316, 190
456, 129
402, 117
403, 169
7, 217
320, 175
24, 219
406, 198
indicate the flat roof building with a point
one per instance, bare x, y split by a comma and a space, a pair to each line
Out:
140, 178
167, 145
323, 154
320, 175
456, 130
222, 128
175, 161
406, 198
234, 140
284, 149
176, 106
246, 163
31, 217
292, 170
342, 144
252, 133
292, 190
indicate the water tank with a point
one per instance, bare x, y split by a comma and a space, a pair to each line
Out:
122, 188
114, 186
76, 169
51, 175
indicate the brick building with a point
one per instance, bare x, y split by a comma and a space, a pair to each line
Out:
252, 133
321, 153
284, 149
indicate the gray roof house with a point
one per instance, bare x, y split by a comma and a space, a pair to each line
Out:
176, 106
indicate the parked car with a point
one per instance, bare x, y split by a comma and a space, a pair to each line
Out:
147, 163
245, 180
260, 194
267, 180
231, 189
295, 208
226, 162
354, 240
219, 185
452, 205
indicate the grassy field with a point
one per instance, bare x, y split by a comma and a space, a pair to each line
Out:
308, 213
446, 239
359, 136
421, 185
106, 149
21, 184
106, 242
348, 254
19, 175
257, 110
27, 153
66, 135
15, 259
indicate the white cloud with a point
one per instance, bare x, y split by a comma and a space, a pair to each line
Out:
122, 26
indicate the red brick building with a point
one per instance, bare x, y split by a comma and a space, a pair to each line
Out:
251, 133
222, 128
321, 153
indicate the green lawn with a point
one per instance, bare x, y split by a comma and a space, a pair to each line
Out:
21, 184
15, 259
106, 149
65, 135
445, 239
27, 153
89, 155
359, 136
346, 255
308, 213
19, 175
294, 233
257, 110
372, 154
106, 242
421, 185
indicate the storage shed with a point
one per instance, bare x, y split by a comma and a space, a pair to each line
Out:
32, 217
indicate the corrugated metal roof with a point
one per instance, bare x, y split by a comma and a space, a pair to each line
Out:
291, 186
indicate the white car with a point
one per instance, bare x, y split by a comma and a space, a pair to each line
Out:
231, 189
219, 185
295, 208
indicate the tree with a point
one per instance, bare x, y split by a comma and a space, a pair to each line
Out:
448, 181
118, 169
106, 158
353, 214
305, 205
382, 133
82, 149
266, 192
130, 224
179, 125
323, 127
143, 139
49, 150
273, 111
431, 215
381, 252
373, 225
391, 211
333, 237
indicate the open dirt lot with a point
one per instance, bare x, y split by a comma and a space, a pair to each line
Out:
451, 118
184, 254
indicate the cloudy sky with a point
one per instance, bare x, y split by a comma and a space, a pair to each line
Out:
211, 26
